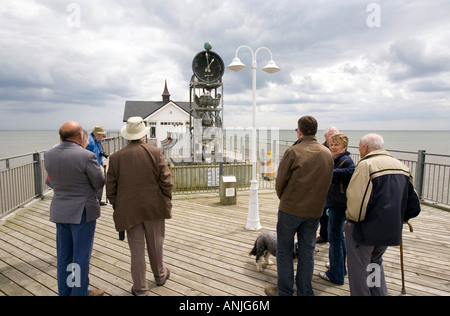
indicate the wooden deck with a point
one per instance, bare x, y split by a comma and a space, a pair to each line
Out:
206, 249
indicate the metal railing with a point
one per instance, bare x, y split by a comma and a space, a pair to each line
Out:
431, 173
22, 177
435, 181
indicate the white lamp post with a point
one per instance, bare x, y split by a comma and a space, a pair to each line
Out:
236, 65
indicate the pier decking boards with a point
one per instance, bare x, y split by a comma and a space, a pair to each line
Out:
206, 249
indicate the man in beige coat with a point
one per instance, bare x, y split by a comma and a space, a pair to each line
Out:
304, 176
139, 187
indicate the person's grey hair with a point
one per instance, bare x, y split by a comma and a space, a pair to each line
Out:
85, 135
373, 141
332, 130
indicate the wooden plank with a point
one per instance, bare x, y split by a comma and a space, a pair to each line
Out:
206, 248
30, 265
7, 285
25, 283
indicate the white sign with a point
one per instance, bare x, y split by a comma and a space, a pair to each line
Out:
229, 178
229, 192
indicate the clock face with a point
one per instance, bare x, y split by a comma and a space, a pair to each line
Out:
208, 66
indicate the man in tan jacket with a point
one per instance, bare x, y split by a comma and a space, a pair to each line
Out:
139, 187
304, 176
380, 198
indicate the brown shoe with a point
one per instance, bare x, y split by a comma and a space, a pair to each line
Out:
271, 290
97, 292
162, 281
321, 240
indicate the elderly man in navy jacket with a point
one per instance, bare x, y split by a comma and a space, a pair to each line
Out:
380, 198
76, 177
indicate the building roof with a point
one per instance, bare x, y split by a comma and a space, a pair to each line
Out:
147, 108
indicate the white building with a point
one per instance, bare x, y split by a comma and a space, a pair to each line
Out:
162, 116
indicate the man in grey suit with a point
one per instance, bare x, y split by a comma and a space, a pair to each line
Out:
76, 177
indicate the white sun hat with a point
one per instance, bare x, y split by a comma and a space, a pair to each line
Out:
135, 128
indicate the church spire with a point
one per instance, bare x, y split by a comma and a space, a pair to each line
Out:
166, 94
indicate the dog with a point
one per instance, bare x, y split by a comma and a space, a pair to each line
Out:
266, 245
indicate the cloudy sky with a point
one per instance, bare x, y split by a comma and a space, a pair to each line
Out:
351, 63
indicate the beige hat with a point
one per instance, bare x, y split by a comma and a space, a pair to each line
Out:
135, 128
99, 130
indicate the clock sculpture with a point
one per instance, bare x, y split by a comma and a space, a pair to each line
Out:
206, 106
208, 67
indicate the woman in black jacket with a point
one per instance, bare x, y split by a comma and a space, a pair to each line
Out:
335, 205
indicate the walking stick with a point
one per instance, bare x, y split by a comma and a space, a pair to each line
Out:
104, 174
401, 258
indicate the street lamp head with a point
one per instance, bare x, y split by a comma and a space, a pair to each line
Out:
236, 65
271, 67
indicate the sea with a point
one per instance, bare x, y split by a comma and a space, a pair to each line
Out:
402, 144
14, 143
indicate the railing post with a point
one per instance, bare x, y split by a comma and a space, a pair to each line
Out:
420, 170
38, 175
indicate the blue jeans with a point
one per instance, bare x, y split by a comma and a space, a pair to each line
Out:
337, 252
73, 251
305, 228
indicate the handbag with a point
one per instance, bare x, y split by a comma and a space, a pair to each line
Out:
338, 198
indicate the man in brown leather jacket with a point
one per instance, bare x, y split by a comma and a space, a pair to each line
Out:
304, 176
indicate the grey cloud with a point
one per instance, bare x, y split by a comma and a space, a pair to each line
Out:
410, 58
431, 85
332, 62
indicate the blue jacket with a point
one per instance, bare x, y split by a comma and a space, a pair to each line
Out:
96, 147
342, 172
380, 197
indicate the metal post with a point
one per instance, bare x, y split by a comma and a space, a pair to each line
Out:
236, 65
253, 208
38, 175
275, 150
420, 171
